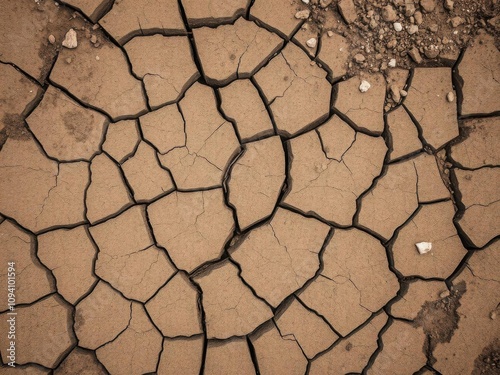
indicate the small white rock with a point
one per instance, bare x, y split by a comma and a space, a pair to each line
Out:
330, 33
312, 42
392, 63
364, 86
52, 39
303, 14
70, 40
493, 315
423, 247
305, 1
450, 96
444, 294
412, 29
397, 26
97, 58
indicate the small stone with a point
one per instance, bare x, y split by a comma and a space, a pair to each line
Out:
392, 63
412, 29
389, 14
415, 55
95, 27
397, 26
450, 97
70, 40
325, 3
330, 33
423, 247
364, 86
396, 93
52, 39
444, 294
418, 17
448, 4
434, 28
428, 5
68, 60
409, 9
392, 43
97, 58
493, 315
93, 39
431, 52
303, 14
359, 58
457, 21
403, 93
348, 10
311, 43
305, 1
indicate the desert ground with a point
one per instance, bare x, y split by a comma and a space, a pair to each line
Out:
250, 187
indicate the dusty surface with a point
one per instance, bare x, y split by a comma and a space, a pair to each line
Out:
238, 187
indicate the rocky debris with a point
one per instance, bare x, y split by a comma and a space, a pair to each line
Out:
242, 103
364, 86
423, 247
310, 331
432, 223
256, 180
107, 193
450, 96
93, 9
363, 108
334, 55
210, 143
51, 39
35, 281
427, 102
417, 293
146, 177
290, 85
69, 254
276, 354
234, 51
165, 79
66, 130
36, 191
280, 257
391, 201
415, 55
228, 357
330, 187
351, 354
278, 15
303, 14
428, 5
480, 197
476, 332
181, 355
80, 361
127, 258
181, 318
403, 350
230, 307
348, 10
121, 355
480, 146
430, 186
355, 281
205, 12
129, 18
397, 26
404, 134
164, 128
389, 14
96, 82
192, 226
91, 327
359, 58
336, 138
43, 334
122, 139
480, 70
311, 43
70, 39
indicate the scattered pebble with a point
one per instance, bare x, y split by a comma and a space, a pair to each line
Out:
431, 52
95, 27
389, 14
403, 93
397, 26
448, 4
303, 14
348, 10
324, 3
428, 5
392, 63
412, 29
68, 60
493, 315
415, 55
93, 39
311, 43
423, 247
450, 97
364, 86
395, 93
434, 28
359, 58
97, 58
52, 39
305, 1
330, 33
457, 21
70, 40
418, 18
444, 294
392, 43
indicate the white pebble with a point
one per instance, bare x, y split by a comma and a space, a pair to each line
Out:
305, 1
312, 42
392, 63
70, 40
423, 247
450, 96
364, 86
397, 26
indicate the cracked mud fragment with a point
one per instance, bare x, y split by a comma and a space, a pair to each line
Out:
430, 185
127, 257
107, 193
280, 257
336, 138
181, 356
210, 143
82, 362
312, 333
174, 309
43, 334
230, 307
476, 330
66, 130
105, 83
242, 103
350, 355
330, 187
33, 280
278, 15
93, 9
334, 55
69, 254
25, 370
128, 18
256, 180
122, 138
165, 78
427, 102
194, 227
354, 283
91, 326
296, 91
207, 12
275, 354
228, 357
364, 109
121, 356
480, 72
432, 223
145, 175
36, 191
480, 196
404, 134
234, 51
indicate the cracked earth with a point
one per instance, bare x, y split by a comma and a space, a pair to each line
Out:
191, 189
